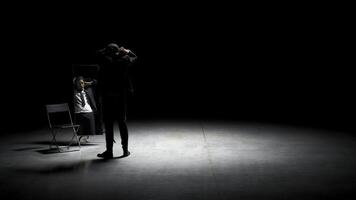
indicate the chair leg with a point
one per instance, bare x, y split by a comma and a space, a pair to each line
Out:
71, 141
54, 133
75, 135
51, 143
78, 139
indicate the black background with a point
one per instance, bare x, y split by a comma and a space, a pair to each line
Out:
277, 64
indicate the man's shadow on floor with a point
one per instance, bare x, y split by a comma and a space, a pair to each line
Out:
62, 144
94, 165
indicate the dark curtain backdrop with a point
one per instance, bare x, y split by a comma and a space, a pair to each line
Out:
285, 67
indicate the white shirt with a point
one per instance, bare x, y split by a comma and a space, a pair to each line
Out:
78, 103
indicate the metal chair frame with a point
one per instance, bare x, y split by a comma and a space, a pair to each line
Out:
61, 108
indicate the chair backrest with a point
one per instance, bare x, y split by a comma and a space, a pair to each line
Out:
53, 108
58, 108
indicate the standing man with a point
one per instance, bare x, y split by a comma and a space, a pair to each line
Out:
114, 84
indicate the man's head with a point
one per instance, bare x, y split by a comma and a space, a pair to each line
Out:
79, 83
113, 49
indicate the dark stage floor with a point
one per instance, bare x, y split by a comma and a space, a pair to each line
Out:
185, 160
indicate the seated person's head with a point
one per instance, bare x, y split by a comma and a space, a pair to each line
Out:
79, 83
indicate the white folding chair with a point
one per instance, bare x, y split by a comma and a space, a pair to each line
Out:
63, 108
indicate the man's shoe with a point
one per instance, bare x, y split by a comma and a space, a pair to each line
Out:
105, 155
86, 139
126, 153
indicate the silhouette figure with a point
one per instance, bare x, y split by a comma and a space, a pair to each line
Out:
114, 85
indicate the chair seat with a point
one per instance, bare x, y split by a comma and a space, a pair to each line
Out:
66, 126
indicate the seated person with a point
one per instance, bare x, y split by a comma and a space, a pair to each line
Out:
84, 107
